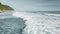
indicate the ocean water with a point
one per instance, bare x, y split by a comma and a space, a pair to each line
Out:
33, 22
40, 22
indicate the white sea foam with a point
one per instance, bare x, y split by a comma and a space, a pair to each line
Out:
58, 15
39, 24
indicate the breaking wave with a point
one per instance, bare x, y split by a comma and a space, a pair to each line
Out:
40, 23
